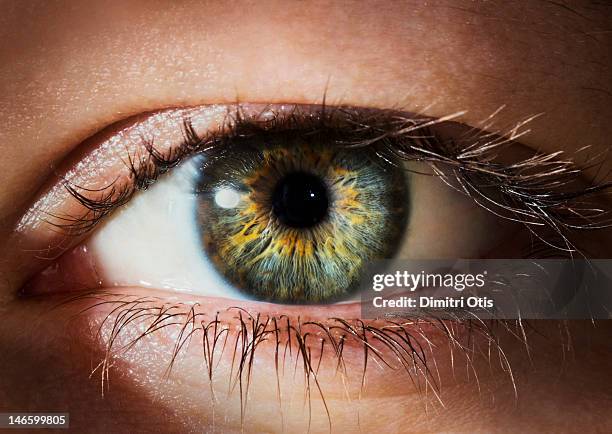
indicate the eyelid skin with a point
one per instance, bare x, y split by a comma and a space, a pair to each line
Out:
256, 353
106, 163
113, 157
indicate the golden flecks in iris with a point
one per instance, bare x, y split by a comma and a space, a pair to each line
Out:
275, 262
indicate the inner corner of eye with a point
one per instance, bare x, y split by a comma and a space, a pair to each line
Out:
289, 223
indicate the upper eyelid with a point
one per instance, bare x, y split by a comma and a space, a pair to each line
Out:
166, 129
105, 160
169, 128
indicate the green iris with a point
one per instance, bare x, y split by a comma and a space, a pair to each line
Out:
296, 222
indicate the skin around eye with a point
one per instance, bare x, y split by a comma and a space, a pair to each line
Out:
155, 242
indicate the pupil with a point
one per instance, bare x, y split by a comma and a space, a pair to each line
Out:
300, 200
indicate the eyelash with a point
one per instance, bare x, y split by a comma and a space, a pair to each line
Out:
410, 351
541, 192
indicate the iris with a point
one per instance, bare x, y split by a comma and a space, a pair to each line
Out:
304, 219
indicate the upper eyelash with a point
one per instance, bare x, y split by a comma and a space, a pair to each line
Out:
541, 191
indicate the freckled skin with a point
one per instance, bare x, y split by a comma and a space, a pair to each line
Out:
314, 264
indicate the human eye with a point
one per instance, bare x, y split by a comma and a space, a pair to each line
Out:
283, 204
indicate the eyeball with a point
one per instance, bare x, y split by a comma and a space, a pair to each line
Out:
284, 222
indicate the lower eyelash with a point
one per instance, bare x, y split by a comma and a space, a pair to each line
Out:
541, 192
403, 345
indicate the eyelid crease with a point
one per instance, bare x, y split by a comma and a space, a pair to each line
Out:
538, 191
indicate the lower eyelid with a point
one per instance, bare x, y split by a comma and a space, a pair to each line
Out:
102, 309
133, 336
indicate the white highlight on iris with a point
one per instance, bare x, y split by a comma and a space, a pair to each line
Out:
227, 197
